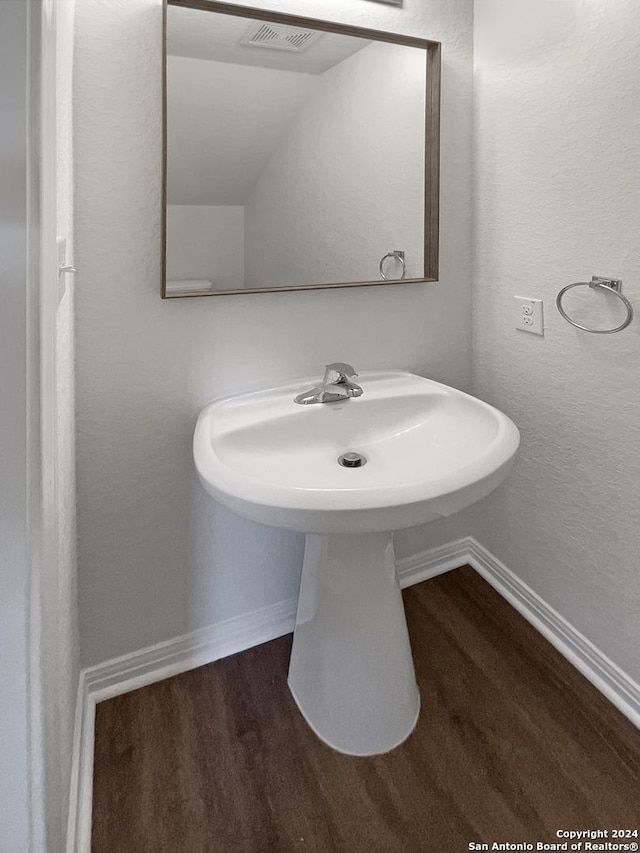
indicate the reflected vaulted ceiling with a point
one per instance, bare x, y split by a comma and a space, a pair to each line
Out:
216, 154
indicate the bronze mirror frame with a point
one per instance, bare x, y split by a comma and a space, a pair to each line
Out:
432, 138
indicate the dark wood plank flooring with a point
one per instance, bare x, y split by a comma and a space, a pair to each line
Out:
512, 745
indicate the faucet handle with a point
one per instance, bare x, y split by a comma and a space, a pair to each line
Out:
344, 371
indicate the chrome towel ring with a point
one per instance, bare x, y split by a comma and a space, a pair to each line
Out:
613, 285
398, 254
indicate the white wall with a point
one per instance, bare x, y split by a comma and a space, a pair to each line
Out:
346, 178
38, 643
557, 200
216, 151
15, 743
38, 635
157, 557
206, 242
61, 625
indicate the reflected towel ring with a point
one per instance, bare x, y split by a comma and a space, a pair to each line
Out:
613, 285
398, 254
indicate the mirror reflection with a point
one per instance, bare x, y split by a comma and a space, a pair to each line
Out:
295, 156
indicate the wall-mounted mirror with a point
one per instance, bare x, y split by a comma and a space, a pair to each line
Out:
299, 154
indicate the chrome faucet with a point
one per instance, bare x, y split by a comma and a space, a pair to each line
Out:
336, 385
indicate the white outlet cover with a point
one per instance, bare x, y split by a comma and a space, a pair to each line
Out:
528, 315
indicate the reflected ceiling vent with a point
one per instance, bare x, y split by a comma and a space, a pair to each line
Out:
292, 39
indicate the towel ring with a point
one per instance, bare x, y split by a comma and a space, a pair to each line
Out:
613, 285
398, 254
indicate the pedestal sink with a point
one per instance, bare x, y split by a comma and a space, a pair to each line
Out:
424, 451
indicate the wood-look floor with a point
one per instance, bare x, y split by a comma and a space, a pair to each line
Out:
512, 744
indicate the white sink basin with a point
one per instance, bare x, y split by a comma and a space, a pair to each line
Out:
430, 451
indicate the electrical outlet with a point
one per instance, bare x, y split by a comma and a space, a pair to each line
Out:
529, 316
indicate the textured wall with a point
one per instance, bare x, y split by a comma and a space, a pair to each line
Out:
157, 557
38, 637
343, 199
63, 640
215, 150
206, 242
557, 200
15, 740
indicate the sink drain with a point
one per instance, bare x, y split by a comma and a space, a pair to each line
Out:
352, 460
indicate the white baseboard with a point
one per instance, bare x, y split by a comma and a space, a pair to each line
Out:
619, 688
146, 666
436, 561
163, 660
81, 790
189, 651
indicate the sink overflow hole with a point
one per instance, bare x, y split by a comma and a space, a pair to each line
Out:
352, 460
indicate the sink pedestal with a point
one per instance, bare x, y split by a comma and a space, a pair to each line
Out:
351, 670
431, 451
